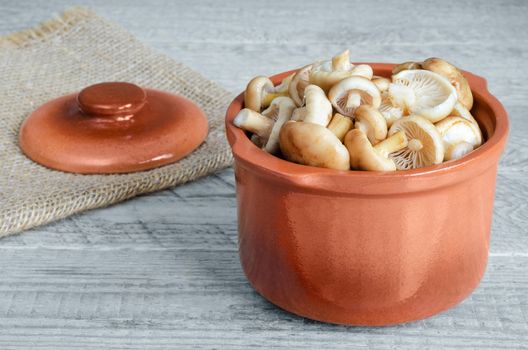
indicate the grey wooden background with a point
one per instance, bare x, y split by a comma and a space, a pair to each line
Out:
161, 271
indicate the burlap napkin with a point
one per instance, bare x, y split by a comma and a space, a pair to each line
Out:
62, 56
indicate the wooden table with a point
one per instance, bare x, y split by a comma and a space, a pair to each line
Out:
162, 271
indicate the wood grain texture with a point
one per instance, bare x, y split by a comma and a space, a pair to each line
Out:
162, 272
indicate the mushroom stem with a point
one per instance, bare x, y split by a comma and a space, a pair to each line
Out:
392, 143
353, 99
361, 126
340, 125
254, 122
342, 61
415, 145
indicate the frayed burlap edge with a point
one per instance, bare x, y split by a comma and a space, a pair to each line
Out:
42, 31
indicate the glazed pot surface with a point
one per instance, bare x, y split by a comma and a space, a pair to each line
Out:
367, 248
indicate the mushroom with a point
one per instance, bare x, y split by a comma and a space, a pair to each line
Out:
457, 130
381, 83
364, 156
352, 92
299, 82
280, 110
424, 93
340, 125
313, 144
327, 73
254, 122
460, 111
317, 108
454, 76
425, 146
260, 92
406, 66
457, 150
266, 126
390, 113
371, 122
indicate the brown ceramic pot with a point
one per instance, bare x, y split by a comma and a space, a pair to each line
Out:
367, 248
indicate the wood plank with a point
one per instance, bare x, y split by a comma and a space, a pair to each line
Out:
162, 272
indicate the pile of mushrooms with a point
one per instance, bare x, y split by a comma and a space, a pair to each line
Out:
334, 114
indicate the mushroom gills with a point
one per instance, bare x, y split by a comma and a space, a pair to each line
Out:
352, 92
423, 92
424, 147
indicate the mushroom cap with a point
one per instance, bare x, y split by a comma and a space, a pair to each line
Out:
457, 150
381, 83
425, 146
298, 83
371, 122
390, 112
340, 92
457, 129
423, 92
362, 70
317, 108
281, 108
406, 66
363, 156
460, 111
255, 91
455, 77
314, 145
327, 73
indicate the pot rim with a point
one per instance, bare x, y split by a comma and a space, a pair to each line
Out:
339, 181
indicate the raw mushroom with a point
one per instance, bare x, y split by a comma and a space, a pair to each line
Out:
313, 144
352, 92
406, 66
389, 112
454, 76
327, 73
299, 82
460, 111
381, 83
317, 109
457, 150
424, 93
340, 125
457, 130
371, 122
425, 146
280, 110
364, 156
260, 92
254, 122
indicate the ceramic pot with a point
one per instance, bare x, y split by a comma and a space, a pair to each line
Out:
367, 248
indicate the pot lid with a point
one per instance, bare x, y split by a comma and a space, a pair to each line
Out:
113, 127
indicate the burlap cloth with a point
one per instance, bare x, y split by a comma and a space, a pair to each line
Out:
62, 56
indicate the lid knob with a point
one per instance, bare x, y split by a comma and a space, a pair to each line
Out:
111, 99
